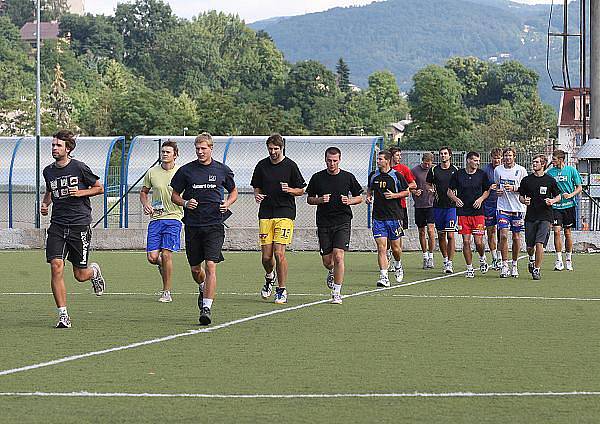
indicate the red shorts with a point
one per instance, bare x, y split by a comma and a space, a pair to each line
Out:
471, 225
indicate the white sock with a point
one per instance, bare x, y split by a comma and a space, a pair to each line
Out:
398, 264
469, 267
62, 310
270, 275
510, 263
568, 255
505, 263
559, 256
383, 273
425, 255
207, 303
445, 259
337, 288
494, 254
531, 258
482, 259
430, 255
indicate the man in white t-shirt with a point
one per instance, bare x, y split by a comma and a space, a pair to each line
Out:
511, 211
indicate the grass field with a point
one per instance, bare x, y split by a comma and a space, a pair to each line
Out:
439, 350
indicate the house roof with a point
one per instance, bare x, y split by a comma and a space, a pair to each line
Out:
48, 31
566, 114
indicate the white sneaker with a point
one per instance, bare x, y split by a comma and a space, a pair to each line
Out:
430, 263
569, 265
425, 263
558, 265
483, 267
336, 298
514, 272
470, 273
504, 271
267, 289
399, 273
448, 269
98, 283
165, 297
280, 296
383, 282
63, 321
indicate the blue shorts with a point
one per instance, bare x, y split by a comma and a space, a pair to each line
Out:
513, 220
164, 234
489, 212
391, 229
445, 219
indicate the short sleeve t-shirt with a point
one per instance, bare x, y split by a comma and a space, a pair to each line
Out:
408, 176
268, 177
469, 187
425, 200
440, 178
205, 183
67, 209
159, 180
343, 183
539, 189
567, 178
492, 199
380, 182
509, 200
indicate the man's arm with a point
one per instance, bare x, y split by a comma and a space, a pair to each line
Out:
454, 198
293, 191
94, 190
148, 209
46, 202
578, 190
259, 196
231, 198
187, 204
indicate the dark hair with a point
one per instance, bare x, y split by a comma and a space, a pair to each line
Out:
173, 144
559, 154
496, 151
509, 149
276, 140
445, 148
333, 151
394, 149
386, 154
472, 154
68, 137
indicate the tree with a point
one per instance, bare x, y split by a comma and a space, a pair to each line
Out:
53, 10
510, 81
343, 76
60, 103
95, 35
471, 73
19, 11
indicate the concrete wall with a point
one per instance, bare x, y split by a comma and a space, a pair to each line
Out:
247, 239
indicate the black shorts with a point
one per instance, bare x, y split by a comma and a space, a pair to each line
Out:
404, 218
536, 232
336, 237
69, 243
424, 216
565, 218
204, 244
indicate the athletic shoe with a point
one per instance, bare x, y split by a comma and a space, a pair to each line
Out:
514, 272
390, 258
430, 263
425, 263
98, 283
504, 271
530, 266
204, 316
536, 274
470, 273
280, 296
267, 289
383, 282
496, 264
200, 295
569, 265
558, 265
165, 297
63, 321
483, 267
336, 298
330, 280
448, 269
399, 273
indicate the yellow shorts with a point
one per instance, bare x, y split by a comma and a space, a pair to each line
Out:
276, 230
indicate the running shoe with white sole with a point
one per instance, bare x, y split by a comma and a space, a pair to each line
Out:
383, 282
63, 321
204, 316
165, 297
267, 289
280, 296
504, 271
448, 268
430, 263
483, 267
399, 273
514, 272
425, 263
558, 265
536, 274
98, 283
336, 298
470, 273
569, 265
530, 266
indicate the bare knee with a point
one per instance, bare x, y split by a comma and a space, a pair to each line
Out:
153, 257
57, 267
81, 274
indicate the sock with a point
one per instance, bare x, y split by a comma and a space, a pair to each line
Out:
559, 256
201, 287
430, 255
337, 288
494, 254
331, 271
207, 303
482, 259
398, 264
425, 255
568, 255
280, 289
383, 273
504, 263
62, 310
536, 269
270, 275
531, 258
510, 263
445, 259
469, 267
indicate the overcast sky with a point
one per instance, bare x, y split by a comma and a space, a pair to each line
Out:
249, 10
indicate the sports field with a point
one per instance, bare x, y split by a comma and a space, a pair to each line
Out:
433, 349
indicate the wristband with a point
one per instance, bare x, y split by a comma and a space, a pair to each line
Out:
185, 203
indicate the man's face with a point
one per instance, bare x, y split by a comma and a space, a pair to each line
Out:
275, 152
333, 162
59, 150
557, 163
426, 164
473, 162
444, 155
167, 154
509, 158
496, 160
204, 152
382, 162
537, 165
397, 157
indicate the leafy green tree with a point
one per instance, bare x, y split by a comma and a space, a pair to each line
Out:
60, 103
19, 11
16, 67
510, 81
471, 73
95, 35
342, 71
52, 10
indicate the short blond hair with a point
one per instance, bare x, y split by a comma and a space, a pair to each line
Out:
204, 137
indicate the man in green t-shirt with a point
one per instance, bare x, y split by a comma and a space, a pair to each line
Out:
164, 229
565, 214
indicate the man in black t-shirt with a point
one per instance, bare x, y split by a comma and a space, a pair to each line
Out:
386, 186
198, 187
539, 191
334, 191
468, 189
276, 181
69, 186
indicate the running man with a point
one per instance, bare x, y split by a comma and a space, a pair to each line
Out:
423, 198
410, 179
164, 229
565, 214
334, 190
444, 209
511, 211
468, 189
490, 208
277, 182
386, 186
69, 186
539, 192
198, 187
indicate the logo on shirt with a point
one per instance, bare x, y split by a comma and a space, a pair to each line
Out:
543, 190
212, 178
199, 186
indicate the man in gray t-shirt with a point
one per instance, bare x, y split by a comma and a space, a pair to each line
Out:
423, 198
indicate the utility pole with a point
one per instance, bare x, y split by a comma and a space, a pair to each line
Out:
38, 116
594, 69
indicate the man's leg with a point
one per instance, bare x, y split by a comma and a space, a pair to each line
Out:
338, 265
281, 263
382, 261
516, 246
443, 242
328, 261
467, 252
431, 237
210, 282
57, 282
423, 239
397, 253
558, 242
503, 244
568, 249
267, 257
451, 245
167, 268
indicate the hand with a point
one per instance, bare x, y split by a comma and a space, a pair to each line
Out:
477, 203
418, 192
345, 200
459, 203
566, 196
527, 200
499, 190
369, 199
549, 202
259, 197
285, 187
74, 191
223, 207
508, 187
326, 198
148, 210
44, 209
389, 195
191, 204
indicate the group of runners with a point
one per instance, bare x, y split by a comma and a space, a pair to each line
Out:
447, 199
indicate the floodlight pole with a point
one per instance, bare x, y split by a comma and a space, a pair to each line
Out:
594, 69
38, 116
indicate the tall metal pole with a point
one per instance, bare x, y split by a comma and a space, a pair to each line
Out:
38, 117
595, 68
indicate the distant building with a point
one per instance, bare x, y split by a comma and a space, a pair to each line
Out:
76, 7
570, 121
49, 31
396, 130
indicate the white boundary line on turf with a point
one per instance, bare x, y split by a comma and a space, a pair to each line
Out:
148, 294
442, 296
303, 396
214, 328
